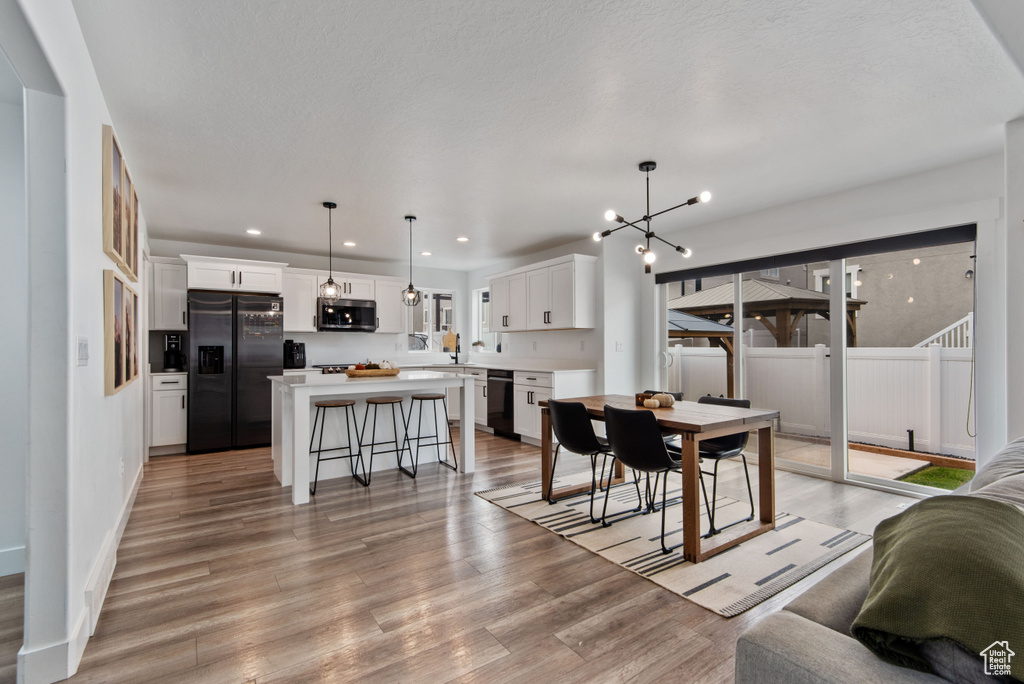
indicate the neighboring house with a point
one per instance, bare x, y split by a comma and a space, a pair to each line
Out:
909, 302
906, 302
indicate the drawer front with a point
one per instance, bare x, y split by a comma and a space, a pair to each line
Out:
173, 382
533, 379
476, 373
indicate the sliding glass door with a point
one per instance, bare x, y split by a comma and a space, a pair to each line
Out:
869, 359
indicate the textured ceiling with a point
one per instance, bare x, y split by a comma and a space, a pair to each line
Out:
519, 123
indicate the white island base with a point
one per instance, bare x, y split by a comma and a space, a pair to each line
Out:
293, 411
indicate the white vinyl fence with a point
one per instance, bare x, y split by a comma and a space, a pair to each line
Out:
890, 391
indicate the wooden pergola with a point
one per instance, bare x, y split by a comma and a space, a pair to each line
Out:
687, 326
785, 304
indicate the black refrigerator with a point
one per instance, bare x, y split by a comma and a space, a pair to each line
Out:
235, 343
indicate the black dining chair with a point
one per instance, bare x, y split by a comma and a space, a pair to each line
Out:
719, 449
574, 431
636, 440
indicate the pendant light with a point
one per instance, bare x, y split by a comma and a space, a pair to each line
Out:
644, 249
410, 295
330, 291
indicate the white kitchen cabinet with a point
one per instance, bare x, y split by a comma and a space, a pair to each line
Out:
212, 275
498, 304
241, 275
526, 406
480, 402
352, 287
550, 297
508, 303
524, 422
562, 296
170, 297
391, 311
538, 298
168, 409
300, 293
256, 277
553, 295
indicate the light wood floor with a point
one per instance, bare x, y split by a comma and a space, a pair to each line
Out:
220, 579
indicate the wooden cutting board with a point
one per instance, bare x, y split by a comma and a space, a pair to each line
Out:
448, 341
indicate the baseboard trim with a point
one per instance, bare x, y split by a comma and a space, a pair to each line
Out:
103, 570
46, 664
166, 450
79, 638
12, 561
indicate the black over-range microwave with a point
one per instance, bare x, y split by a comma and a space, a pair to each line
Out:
346, 315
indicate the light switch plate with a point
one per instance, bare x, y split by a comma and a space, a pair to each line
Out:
83, 350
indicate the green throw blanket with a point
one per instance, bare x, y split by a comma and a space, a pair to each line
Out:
952, 568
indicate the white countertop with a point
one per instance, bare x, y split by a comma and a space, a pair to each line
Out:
527, 366
358, 384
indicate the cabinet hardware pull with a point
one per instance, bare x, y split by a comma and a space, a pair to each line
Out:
168, 382
232, 277
183, 318
314, 320
531, 378
183, 401
485, 391
239, 277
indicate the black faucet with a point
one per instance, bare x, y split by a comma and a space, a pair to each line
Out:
455, 356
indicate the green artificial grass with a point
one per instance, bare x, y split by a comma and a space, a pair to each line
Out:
937, 476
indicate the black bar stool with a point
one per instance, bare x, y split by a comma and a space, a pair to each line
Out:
376, 403
321, 415
433, 399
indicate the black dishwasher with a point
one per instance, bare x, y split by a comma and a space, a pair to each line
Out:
499, 403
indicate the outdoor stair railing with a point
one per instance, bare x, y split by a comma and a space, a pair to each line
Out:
959, 335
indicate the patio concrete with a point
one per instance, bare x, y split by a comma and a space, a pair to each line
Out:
861, 462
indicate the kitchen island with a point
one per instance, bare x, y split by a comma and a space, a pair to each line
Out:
293, 399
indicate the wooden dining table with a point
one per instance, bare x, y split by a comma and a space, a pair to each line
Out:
693, 422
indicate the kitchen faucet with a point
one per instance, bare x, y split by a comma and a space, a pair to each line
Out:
455, 356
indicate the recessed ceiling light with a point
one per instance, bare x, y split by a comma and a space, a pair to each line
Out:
462, 239
349, 244
917, 262
425, 253
254, 231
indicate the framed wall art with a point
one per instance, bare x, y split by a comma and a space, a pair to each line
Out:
120, 333
120, 210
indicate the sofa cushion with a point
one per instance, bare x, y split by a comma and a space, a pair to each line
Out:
948, 568
835, 601
1008, 490
1007, 462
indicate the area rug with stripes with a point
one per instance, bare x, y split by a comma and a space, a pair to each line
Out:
731, 582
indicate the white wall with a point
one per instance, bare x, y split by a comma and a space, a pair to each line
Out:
1014, 254
969, 192
103, 448
13, 338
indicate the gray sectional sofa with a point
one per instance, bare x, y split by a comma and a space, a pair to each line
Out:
810, 641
